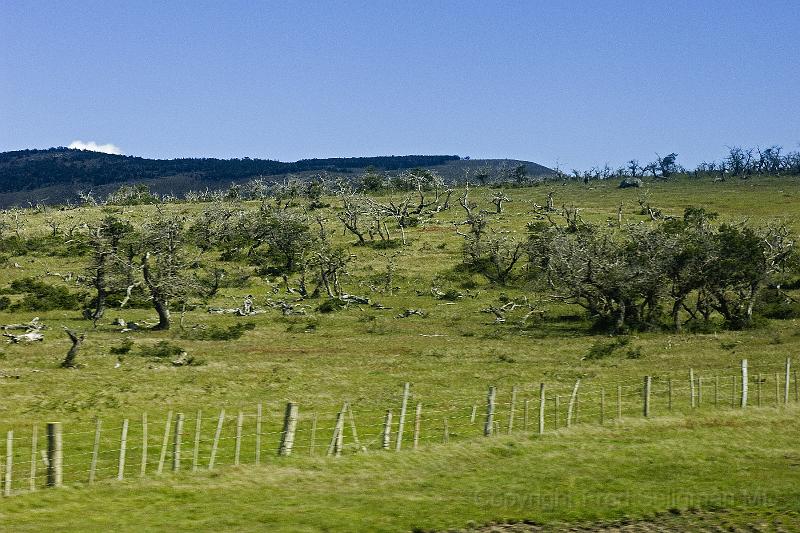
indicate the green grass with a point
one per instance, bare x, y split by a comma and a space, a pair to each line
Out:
363, 355
741, 467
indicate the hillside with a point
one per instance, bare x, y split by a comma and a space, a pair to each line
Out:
56, 175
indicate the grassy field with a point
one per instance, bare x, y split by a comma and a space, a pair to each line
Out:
736, 471
363, 355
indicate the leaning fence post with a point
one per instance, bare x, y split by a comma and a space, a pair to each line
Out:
123, 443
289, 428
401, 422
95, 450
34, 446
487, 428
352, 419
417, 422
513, 407
55, 455
646, 395
387, 430
215, 442
744, 384
196, 449
335, 447
541, 408
165, 441
176, 443
571, 405
786, 382
9, 463
238, 443
691, 388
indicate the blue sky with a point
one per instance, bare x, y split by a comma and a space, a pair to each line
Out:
578, 83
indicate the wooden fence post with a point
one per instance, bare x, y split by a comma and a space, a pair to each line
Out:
744, 384
646, 395
289, 428
196, 448
473, 414
143, 467
55, 455
9, 463
691, 388
619, 402
176, 443
164, 442
541, 408
487, 428
401, 422
352, 419
34, 446
387, 430
339, 441
95, 450
571, 405
786, 382
237, 450
335, 447
123, 443
511, 411
215, 443
417, 423
258, 433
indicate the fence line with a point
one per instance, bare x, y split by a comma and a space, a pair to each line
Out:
123, 449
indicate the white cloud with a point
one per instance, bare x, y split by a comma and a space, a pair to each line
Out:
94, 147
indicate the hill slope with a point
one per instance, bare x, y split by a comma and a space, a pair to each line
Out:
57, 174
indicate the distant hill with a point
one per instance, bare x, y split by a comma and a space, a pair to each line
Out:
56, 175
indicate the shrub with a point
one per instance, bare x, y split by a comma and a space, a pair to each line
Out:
40, 296
601, 349
217, 333
123, 348
161, 350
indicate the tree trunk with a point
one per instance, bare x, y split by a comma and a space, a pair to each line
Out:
162, 308
77, 340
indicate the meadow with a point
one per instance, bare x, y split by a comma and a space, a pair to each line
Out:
450, 354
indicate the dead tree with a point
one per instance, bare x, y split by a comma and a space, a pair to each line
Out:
498, 197
77, 341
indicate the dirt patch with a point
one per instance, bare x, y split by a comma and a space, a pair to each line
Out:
671, 522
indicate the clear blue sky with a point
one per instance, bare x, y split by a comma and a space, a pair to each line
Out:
580, 83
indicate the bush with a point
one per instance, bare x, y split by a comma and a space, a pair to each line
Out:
123, 348
217, 333
330, 305
40, 296
5, 303
600, 349
161, 350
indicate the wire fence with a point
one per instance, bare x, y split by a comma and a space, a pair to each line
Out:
159, 442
